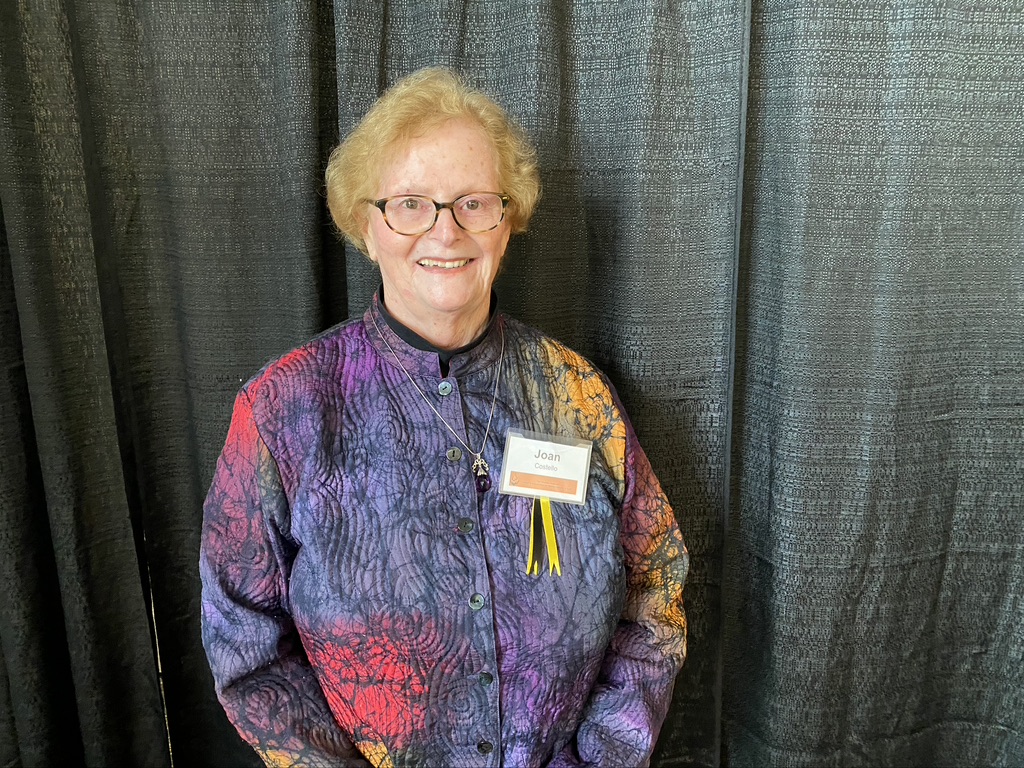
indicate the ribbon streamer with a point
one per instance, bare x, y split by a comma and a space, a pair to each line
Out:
542, 525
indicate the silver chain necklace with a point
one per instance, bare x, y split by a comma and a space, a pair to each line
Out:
480, 465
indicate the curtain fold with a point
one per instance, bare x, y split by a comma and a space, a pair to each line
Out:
830, 392
36, 694
229, 264
876, 560
78, 598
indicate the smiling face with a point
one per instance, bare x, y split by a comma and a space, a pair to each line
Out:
439, 283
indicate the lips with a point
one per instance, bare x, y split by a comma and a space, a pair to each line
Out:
443, 264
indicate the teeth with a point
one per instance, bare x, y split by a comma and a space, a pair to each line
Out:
443, 264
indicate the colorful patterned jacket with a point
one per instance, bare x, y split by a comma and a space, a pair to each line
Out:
364, 603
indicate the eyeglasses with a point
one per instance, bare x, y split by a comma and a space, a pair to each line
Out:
416, 214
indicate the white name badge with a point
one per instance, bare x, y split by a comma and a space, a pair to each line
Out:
544, 466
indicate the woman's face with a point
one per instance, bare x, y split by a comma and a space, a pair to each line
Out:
439, 283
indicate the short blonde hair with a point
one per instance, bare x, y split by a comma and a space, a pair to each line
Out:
412, 107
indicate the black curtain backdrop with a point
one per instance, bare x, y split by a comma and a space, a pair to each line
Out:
791, 231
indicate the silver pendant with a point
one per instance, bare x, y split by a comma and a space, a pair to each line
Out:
480, 467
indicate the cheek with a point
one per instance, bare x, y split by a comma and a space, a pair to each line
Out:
379, 241
501, 245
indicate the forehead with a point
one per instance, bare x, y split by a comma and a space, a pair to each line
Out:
457, 155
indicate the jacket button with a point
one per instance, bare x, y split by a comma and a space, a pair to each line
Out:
444, 388
454, 454
486, 678
485, 747
476, 601
465, 525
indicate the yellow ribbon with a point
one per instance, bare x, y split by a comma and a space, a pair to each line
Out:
545, 527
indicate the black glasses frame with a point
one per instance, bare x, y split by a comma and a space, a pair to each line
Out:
381, 204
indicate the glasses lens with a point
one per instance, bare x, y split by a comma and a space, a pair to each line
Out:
479, 211
410, 214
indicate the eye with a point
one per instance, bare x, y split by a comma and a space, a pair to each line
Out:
474, 204
410, 203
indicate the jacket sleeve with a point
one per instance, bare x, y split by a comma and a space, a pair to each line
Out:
262, 676
630, 699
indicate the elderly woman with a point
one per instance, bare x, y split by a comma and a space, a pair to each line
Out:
432, 537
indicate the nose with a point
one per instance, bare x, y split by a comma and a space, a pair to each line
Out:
445, 228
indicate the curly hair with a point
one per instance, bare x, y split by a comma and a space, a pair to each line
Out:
414, 106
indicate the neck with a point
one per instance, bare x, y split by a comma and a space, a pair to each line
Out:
444, 333
449, 336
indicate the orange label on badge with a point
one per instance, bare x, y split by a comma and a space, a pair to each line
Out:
542, 483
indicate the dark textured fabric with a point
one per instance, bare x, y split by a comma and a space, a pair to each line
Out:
77, 643
875, 575
36, 708
160, 172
